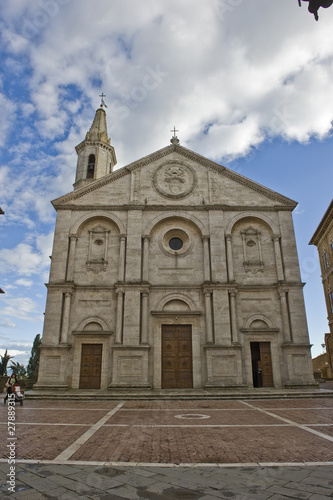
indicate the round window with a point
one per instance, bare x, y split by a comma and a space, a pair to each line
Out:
176, 243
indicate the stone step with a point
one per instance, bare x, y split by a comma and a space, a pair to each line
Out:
118, 395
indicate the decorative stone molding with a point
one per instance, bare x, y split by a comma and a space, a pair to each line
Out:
252, 252
97, 257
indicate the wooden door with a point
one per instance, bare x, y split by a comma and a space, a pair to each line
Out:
266, 364
177, 357
262, 364
91, 364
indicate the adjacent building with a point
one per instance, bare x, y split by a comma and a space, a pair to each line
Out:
323, 239
173, 272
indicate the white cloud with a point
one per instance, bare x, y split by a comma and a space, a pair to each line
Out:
7, 117
21, 307
7, 323
24, 282
27, 259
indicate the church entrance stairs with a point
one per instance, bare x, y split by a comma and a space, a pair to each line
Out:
179, 394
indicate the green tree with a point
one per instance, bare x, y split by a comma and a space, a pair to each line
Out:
33, 365
18, 369
4, 362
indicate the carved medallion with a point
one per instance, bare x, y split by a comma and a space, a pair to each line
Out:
174, 179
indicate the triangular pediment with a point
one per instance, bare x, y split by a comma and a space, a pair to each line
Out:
178, 175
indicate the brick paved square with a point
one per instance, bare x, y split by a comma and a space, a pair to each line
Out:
192, 417
172, 431
60, 416
204, 445
328, 430
186, 405
41, 442
293, 403
305, 416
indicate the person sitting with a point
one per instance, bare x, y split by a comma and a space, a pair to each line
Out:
9, 384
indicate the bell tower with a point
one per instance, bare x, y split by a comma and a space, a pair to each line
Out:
96, 156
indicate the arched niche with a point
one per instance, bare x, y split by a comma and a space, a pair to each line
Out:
99, 215
252, 216
176, 216
180, 300
176, 305
258, 321
93, 323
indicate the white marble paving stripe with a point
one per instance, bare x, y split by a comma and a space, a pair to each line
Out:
220, 409
291, 422
52, 423
60, 408
169, 425
198, 425
68, 452
57, 461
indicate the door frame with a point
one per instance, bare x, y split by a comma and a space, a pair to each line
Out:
257, 371
189, 326
276, 354
100, 365
92, 338
178, 318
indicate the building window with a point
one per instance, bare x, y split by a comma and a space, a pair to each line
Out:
325, 261
91, 167
175, 244
330, 296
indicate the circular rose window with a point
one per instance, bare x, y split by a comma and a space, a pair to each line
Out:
176, 244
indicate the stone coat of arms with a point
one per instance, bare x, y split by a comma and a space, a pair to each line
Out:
174, 179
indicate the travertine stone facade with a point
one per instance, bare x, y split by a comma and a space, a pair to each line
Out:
172, 272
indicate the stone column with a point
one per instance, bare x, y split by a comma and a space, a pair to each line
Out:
278, 258
206, 252
209, 319
71, 257
285, 316
119, 318
90, 245
144, 318
145, 260
122, 249
65, 318
233, 311
229, 258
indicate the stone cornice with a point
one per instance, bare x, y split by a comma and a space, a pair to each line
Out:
146, 287
164, 208
323, 226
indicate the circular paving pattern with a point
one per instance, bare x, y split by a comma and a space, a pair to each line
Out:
192, 415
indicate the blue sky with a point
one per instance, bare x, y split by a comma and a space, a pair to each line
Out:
248, 84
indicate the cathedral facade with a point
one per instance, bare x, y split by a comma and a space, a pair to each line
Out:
173, 272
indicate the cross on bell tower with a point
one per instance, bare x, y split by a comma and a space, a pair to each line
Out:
96, 156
